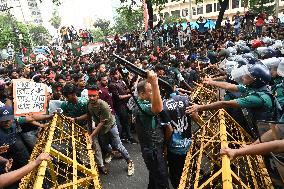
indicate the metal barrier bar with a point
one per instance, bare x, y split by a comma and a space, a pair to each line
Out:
43, 165
226, 169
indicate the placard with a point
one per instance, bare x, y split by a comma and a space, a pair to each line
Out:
29, 97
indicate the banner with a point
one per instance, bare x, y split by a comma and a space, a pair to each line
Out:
145, 15
29, 97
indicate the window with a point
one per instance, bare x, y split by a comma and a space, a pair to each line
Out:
242, 3
155, 18
185, 12
166, 15
193, 10
235, 4
208, 8
200, 10
176, 13
218, 6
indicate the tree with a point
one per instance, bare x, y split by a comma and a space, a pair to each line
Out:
10, 31
40, 35
150, 3
172, 19
104, 25
258, 6
223, 6
128, 19
55, 20
98, 35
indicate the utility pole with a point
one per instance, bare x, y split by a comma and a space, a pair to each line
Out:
276, 8
190, 11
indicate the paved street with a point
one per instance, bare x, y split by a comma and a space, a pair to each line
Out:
118, 179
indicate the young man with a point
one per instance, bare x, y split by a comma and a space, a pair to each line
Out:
74, 106
179, 123
149, 133
105, 127
120, 96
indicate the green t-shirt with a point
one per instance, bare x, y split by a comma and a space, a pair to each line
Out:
102, 111
149, 117
75, 110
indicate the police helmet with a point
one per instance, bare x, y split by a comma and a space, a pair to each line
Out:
280, 68
243, 49
250, 58
260, 73
241, 61
271, 62
229, 44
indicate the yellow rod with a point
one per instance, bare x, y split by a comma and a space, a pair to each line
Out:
41, 171
74, 159
95, 174
226, 169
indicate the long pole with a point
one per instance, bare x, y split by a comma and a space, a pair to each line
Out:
276, 8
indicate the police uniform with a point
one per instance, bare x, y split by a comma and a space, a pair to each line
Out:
257, 104
278, 91
151, 139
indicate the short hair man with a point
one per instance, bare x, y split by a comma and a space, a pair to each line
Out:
149, 133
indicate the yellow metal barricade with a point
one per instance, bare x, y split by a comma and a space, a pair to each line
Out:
73, 164
205, 168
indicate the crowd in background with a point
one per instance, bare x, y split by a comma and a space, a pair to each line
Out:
175, 53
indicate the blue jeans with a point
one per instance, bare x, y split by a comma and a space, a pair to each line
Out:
258, 30
112, 137
236, 31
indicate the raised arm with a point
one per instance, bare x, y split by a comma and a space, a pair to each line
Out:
223, 85
157, 103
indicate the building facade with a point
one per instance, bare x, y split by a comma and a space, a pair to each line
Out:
26, 11
209, 9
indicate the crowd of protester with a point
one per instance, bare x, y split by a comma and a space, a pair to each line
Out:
115, 105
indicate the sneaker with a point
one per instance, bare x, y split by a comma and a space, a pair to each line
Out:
108, 158
133, 141
103, 170
130, 170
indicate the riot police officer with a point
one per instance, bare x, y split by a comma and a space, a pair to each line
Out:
257, 101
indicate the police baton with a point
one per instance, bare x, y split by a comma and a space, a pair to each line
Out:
142, 73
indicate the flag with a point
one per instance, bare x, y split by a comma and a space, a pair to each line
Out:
76, 49
145, 15
19, 61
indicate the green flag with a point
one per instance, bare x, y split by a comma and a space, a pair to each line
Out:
76, 49
19, 61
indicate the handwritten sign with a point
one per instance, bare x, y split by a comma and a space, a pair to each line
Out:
29, 97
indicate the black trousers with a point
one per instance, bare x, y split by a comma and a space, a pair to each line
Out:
123, 116
157, 167
176, 164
